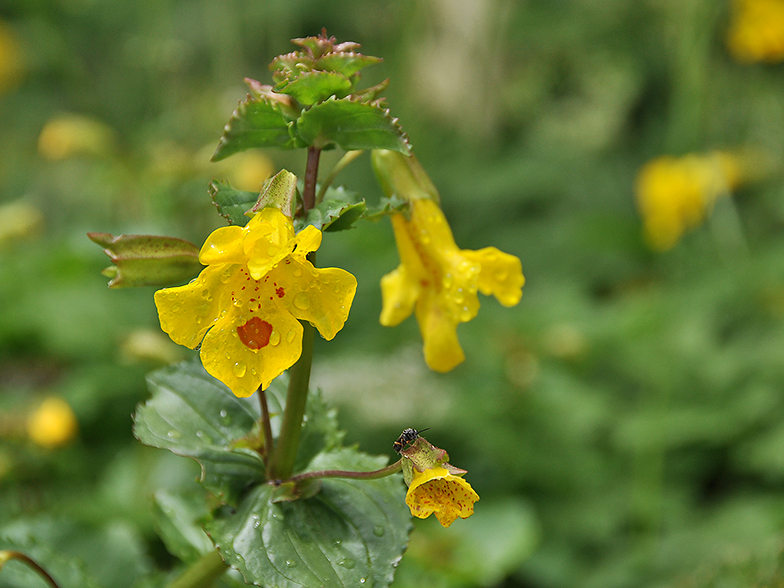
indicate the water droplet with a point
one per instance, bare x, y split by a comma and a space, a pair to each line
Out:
291, 564
448, 281
337, 288
239, 369
238, 302
175, 307
225, 276
205, 293
465, 314
223, 413
253, 371
297, 273
500, 274
274, 338
379, 531
362, 580
347, 563
302, 301
200, 434
173, 435
459, 296
272, 250
256, 522
290, 336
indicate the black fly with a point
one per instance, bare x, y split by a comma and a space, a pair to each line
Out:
406, 437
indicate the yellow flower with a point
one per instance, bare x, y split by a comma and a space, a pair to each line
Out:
437, 491
69, 135
53, 424
676, 194
756, 31
441, 281
243, 308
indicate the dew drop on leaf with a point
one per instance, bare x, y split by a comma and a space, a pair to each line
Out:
379, 531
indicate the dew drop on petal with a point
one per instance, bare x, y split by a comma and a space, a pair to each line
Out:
500, 274
272, 251
290, 336
465, 314
175, 307
302, 301
239, 369
297, 273
274, 338
447, 281
225, 276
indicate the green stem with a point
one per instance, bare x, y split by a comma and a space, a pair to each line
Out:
347, 158
269, 444
203, 572
374, 475
6, 556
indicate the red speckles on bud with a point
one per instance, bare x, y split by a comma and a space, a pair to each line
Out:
255, 334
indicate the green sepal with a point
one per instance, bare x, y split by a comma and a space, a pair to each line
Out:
290, 491
194, 415
232, 204
178, 518
148, 260
279, 191
257, 122
425, 456
350, 125
310, 87
402, 175
352, 533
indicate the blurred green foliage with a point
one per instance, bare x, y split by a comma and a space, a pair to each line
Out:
624, 425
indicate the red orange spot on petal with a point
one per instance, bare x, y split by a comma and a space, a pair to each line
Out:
255, 333
280, 292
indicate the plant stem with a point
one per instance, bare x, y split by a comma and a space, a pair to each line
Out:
344, 161
374, 475
269, 444
6, 556
282, 462
311, 176
203, 572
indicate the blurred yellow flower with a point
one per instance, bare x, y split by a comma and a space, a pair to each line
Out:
437, 491
441, 281
18, 220
756, 31
52, 424
246, 303
11, 65
68, 135
676, 194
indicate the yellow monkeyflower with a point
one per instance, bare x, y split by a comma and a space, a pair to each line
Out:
756, 31
676, 194
437, 491
52, 424
243, 307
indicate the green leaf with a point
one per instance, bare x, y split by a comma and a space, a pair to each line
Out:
231, 203
352, 533
257, 122
310, 87
346, 63
333, 215
178, 523
321, 431
351, 125
148, 260
386, 207
194, 415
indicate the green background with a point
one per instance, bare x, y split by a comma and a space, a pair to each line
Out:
623, 425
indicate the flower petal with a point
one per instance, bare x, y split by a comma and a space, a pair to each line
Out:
439, 333
269, 239
399, 293
307, 240
186, 312
243, 367
322, 296
437, 491
501, 274
224, 245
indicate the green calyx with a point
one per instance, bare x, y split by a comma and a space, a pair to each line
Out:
402, 176
148, 260
280, 191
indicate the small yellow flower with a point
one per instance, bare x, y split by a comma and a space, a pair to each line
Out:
756, 31
676, 194
243, 308
441, 281
437, 491
52, 424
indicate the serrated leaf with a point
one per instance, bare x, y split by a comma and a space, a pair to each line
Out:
333, 215
315, 86
347, 63
351, 125
352, 533
257, 122
232, 203
192, 414
386, 207
321, 431
178, 519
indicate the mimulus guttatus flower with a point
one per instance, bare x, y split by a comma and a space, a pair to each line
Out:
756, 31
437, 491
244, 306
436, 279
676, 194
